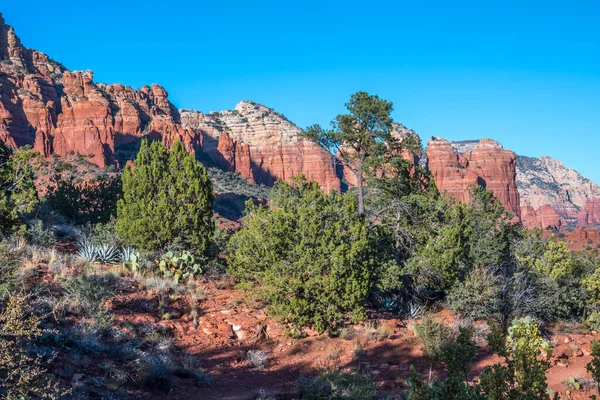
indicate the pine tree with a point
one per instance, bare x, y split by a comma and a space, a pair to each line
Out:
167, 198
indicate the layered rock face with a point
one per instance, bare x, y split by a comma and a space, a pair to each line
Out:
261, 145
44, 105
486, 164
545, 183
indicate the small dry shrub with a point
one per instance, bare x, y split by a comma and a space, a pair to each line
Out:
257, 359
347, 333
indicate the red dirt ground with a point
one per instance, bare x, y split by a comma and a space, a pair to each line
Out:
228, 328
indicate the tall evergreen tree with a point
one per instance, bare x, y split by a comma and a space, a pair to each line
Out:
361, 139
167, 198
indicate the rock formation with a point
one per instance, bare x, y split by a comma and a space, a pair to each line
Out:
552, 196
546, 183
44, 105
486, 164
57, 111
261, 145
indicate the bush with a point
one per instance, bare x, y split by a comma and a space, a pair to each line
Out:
523, 373
309, 256
593, 367
458, 354
101, 233
478, 296
11, 252
23, 374
89, 292
92, 201
167, 197
338, 386
434, 336
37, 235
17, 191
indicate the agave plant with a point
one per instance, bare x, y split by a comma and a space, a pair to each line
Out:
414, 310
388, 304
107, 254
104, 253
87, 250
127, 252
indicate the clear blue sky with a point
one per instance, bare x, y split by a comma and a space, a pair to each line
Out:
526, 73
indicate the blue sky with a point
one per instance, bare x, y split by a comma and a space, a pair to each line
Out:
526, 73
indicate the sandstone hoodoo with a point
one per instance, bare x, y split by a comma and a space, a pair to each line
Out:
486, 164
261, 145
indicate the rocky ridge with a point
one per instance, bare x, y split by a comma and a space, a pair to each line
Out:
486, 163
261, 145
551, 194
57, 111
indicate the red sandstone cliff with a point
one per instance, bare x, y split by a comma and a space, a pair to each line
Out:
261, 145
487, 164
44, 105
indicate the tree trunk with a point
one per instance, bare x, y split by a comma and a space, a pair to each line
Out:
359, 183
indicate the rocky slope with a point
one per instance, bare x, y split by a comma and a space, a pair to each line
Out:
551, 195
547, 182
57, 111
261, 145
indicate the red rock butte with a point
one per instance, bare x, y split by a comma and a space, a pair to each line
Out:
488, 165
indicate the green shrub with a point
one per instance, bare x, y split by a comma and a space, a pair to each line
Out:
40, 236
338, 386
167, 197
523, 373
11, 252
458, 354
93, 201
89, 292
593, 367
101, 233
23, 374
434, 336
17, 191
309, 256
478, 296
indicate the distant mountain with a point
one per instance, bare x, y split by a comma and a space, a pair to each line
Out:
62, 112
551, 194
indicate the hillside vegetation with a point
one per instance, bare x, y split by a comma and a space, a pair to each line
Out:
116, 287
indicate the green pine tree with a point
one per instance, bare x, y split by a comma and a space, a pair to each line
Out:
167, 198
